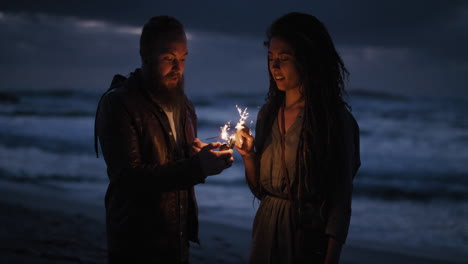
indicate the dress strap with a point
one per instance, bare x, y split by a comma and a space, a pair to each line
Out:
283, 159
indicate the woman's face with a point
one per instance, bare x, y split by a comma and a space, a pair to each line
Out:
282, 65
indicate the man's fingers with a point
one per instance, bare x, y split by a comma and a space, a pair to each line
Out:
196, 149
225, 154
213, 145
214, 162
198, 143
228, 162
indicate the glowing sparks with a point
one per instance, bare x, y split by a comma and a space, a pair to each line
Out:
224, 129
243, 116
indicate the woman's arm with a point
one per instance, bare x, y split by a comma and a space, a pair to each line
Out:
340, 202
333, 251
245, 147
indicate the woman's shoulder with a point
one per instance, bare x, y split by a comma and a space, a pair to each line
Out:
261, 112
347, 118
266, 111
351, 138
259, 126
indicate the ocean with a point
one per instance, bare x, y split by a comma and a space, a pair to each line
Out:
411, 190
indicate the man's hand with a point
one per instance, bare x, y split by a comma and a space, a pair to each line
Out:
197, 145
212, 162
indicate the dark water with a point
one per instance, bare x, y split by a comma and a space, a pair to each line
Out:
414, 152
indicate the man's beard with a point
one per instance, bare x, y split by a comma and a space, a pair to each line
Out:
169, 97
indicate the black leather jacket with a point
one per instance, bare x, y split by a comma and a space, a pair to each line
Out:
150, 193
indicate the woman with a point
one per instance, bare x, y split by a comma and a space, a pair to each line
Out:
306, 148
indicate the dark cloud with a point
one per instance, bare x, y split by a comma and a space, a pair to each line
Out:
33, 38
352, 20
399, 46
426, 25
44, 52
41, 51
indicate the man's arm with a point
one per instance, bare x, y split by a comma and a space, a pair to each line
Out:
121, 149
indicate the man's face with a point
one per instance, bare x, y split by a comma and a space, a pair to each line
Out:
168, 61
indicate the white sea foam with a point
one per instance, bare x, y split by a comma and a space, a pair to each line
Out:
409, 148
32, 164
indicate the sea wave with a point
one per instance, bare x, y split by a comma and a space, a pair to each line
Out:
377, 95
30, 163
383, 186
38, 165
48, 113
49, 178
58, 92
388, 192
410, 150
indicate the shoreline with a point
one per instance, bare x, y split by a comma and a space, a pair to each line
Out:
45, 223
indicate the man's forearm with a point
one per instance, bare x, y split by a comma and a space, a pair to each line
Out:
172, 176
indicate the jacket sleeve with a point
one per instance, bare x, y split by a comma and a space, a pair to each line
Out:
120, 146
340, 203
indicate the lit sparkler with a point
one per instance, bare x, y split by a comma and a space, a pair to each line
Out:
231, 139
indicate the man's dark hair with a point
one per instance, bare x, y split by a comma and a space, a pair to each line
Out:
154, 29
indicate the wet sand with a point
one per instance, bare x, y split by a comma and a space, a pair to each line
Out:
45, 224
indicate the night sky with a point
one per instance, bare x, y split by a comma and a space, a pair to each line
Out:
399, 47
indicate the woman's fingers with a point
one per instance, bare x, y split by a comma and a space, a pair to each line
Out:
245, 134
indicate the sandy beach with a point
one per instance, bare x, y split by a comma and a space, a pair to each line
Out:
47, 224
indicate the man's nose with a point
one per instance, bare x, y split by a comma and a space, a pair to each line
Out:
176, 65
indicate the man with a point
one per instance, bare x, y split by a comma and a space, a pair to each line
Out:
147, 130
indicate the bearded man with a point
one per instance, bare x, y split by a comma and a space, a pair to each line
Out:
147, 130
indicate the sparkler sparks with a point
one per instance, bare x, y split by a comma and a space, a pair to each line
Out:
243, 116
231, 139
224, 130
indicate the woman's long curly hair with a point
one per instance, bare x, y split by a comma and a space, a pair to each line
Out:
322, 74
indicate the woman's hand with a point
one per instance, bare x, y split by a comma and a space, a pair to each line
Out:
333, 251
245, 146
245, 143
